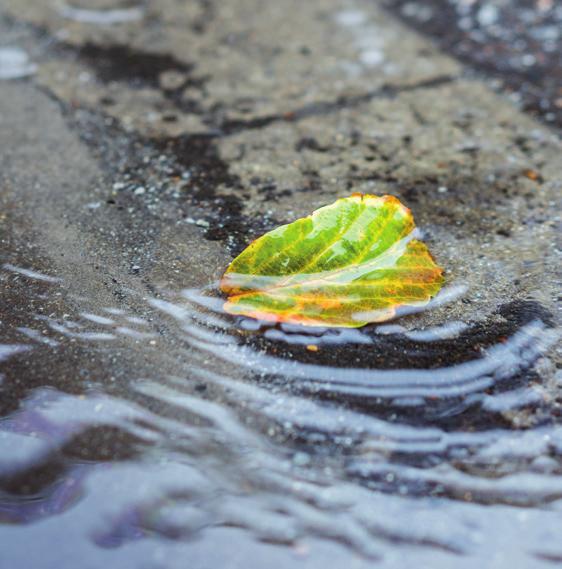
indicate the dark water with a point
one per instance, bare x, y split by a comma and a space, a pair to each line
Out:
405, 450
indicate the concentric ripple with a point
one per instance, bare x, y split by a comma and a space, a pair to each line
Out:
228, 435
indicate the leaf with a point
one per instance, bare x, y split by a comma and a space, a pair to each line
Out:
348, 264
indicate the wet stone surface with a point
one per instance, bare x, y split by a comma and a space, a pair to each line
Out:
150, 143
517, 43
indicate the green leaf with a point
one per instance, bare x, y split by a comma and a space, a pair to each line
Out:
348, 264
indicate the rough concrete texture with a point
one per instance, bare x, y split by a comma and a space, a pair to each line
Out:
284, 118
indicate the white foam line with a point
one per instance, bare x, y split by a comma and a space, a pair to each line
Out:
101, 17
195, 297
307, 413
447, 378
444, 332
97, 319
136, 334
520, 488
30, 274
62, 329
37, 336
170, 308
9, 350
470, 386
202, 334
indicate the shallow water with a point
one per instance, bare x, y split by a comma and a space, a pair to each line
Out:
264, 446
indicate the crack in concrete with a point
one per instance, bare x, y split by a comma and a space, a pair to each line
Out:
342, 102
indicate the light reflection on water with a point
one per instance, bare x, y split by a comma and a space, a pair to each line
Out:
101, 17
259, 446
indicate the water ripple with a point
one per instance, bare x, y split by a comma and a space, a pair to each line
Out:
257, 437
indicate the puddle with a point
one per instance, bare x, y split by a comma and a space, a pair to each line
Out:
262, 440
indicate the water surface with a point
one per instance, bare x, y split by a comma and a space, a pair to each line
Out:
348, 451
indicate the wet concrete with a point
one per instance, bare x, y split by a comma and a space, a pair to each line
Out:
142, 156
517, 44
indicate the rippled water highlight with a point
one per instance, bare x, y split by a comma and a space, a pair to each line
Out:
380, 444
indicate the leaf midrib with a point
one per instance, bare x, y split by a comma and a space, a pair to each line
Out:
395, 249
